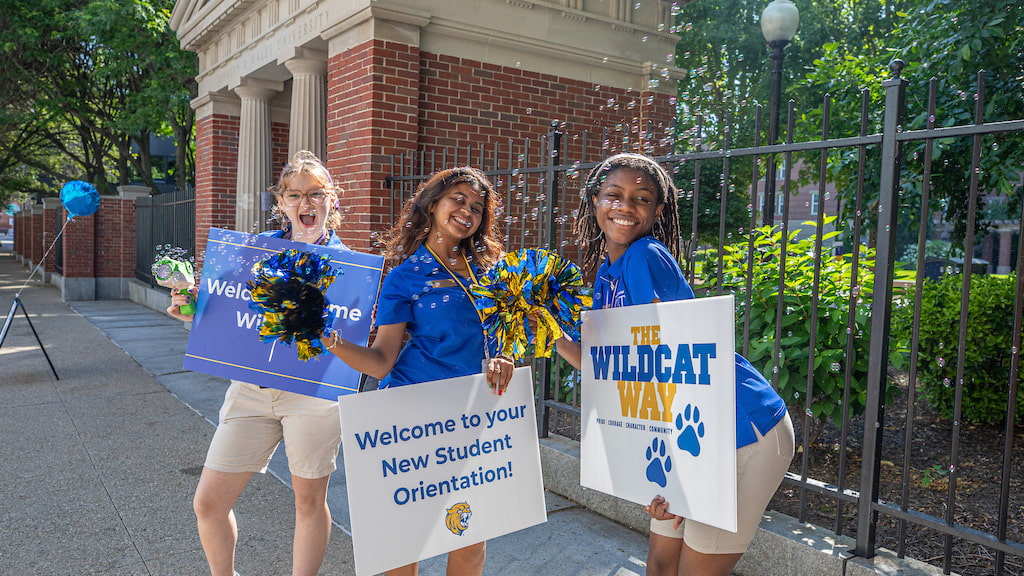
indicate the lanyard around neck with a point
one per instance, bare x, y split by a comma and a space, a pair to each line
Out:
456, 277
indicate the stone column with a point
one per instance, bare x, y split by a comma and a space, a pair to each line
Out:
308, 122
1005, 247
254, 155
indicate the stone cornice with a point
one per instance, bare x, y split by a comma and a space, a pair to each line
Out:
246, 38
198, 20
401, 15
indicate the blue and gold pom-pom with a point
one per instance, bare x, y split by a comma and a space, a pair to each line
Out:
531, 283
288, 290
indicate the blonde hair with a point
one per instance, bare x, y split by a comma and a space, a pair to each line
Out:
305, 162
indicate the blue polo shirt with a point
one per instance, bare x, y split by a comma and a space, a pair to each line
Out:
650, 272
647, 272
446, 339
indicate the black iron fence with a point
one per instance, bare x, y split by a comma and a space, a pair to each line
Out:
974, 524
163, 219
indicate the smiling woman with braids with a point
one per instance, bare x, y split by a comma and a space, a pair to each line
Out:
254, 420
628, 215
446, 237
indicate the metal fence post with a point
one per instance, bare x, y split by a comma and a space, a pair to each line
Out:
543, 365
881, 309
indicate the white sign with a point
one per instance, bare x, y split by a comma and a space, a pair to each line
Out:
438, 466
659, 406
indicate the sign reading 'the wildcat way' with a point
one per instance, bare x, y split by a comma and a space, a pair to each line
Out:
659, 406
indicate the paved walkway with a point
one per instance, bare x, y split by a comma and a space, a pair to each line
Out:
99, 465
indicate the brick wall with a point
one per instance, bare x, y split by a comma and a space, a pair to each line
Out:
36, 239
52, 222
372, 108
468, 102
278, 158
386, 98
79, 240
115, 237
216, 175
19, 233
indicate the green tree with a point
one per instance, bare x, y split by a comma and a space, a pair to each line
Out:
709, 201
722, 48
950, 40
88, 83
842, 340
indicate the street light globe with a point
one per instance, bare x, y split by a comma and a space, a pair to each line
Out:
779, 21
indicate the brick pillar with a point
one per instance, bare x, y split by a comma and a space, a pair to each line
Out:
79, 240
216, 169
372, 112
19, 233
53, 219
115, 242
35, 253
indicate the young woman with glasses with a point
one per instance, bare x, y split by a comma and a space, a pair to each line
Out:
254, 420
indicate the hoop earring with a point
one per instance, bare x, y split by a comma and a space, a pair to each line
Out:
596, 238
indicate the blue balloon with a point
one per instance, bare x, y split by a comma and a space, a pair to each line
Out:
79, 198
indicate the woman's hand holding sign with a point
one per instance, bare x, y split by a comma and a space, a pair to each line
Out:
499, 372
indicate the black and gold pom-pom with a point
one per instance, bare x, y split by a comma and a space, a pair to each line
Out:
288, 290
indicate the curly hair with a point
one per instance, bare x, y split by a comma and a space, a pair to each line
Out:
305, 162
412, 228
666, 229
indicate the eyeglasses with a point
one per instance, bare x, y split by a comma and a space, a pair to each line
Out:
316, 197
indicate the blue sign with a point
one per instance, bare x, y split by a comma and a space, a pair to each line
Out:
225, 331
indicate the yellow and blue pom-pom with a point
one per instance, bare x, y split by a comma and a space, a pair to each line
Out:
288, 291
537, 283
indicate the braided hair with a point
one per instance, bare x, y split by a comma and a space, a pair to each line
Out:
666, 227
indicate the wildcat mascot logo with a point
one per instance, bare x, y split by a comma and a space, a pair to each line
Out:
458, 517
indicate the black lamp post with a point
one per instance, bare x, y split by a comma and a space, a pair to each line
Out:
779, 22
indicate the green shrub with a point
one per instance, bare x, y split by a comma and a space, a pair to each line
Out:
987, 355
834, 296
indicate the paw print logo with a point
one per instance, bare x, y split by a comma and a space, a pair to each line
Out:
692, 430
659, 462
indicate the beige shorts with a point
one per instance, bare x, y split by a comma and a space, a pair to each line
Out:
760, 468
254, 420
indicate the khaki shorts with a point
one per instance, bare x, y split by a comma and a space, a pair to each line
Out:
760, 468
254, 420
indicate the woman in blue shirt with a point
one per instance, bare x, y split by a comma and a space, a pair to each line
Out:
628, 216
446, 237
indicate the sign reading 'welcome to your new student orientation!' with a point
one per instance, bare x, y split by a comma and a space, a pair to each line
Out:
225, 333
438, 466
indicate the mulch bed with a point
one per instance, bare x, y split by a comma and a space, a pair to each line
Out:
976, 503
977, 487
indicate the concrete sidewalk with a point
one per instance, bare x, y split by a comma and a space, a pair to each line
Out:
99, 466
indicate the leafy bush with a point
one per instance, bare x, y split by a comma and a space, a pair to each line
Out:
833, 299
987, 356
